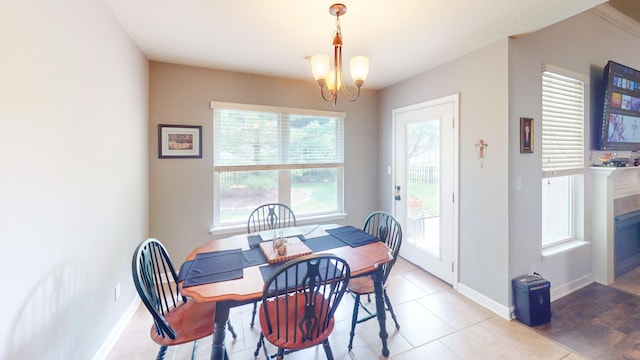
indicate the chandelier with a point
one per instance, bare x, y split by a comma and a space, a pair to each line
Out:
330, 80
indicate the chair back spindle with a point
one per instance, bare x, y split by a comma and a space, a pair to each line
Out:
176, 320
269, 217
300, 299
387, 228
156, 280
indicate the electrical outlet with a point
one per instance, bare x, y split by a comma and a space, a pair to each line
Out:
117, 292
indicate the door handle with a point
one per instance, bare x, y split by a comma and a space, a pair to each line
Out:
398, 198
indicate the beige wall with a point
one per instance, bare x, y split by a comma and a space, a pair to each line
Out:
181, 190
481, 79
73, 184
500, 223
79, 108
582, 44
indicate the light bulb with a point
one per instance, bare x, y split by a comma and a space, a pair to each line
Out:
359, 69
320, 68
331, 81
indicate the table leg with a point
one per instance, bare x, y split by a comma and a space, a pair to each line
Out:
218, 351
381, 312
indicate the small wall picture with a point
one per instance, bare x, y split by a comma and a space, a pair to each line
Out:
526, 135
179, 141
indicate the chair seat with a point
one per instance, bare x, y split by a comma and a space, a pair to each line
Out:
295, 342
362, 285
191, 321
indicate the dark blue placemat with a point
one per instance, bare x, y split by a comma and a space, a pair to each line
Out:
250, 258
253, 257
255, 240
268, 270
323, 243
353, 236
212, 267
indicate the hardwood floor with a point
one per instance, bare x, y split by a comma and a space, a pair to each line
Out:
436, 322
629, 282
598, 321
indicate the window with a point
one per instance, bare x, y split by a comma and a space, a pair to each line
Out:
563, 104
557, 209
266, 154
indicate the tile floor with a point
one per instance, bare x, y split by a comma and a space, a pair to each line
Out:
629, 282
598, 322
436, 322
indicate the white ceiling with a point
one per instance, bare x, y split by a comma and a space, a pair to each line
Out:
401, 38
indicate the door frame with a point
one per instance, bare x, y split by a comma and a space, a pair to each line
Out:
455, 99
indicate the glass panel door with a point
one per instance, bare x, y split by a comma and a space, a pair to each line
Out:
425, 170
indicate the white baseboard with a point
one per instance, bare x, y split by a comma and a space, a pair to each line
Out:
488, 303
505, 312
566, 289
113, 337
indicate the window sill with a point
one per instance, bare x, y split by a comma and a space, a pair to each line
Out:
564, 247
241, 228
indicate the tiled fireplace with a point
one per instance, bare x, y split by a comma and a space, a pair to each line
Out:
615, 228
626, 235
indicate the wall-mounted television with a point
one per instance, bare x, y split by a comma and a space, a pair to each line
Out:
619, 126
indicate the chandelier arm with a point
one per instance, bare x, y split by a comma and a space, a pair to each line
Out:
332, 96
348, 96
344, 89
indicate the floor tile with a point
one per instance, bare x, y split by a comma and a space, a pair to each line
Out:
455, 309
436, 322
432, 350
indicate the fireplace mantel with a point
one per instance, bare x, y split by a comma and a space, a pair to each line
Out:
608, 184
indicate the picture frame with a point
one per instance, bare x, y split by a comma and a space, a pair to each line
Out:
526, 135
179, 141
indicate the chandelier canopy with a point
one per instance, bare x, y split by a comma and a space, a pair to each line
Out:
330, 80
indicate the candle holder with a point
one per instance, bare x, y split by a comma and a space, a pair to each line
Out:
279, 244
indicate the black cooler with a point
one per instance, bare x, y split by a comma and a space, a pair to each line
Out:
531, 299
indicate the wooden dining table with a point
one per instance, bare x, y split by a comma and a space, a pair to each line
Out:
362, 260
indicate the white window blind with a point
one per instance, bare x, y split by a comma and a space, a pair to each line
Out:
562, 125
269, 138
267, 154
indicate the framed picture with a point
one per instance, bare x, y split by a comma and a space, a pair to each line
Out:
526, 135
179, 141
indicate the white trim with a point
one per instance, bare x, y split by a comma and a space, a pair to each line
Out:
563, 172
607, 185
241, 228
563, 247
616, 18
566, 73
505, 312
117, 331
490, 304
566, 289
454, 99
277, 109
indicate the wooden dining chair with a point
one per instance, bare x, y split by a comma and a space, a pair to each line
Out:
385, 227
269, 217
177, 319
299, 302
